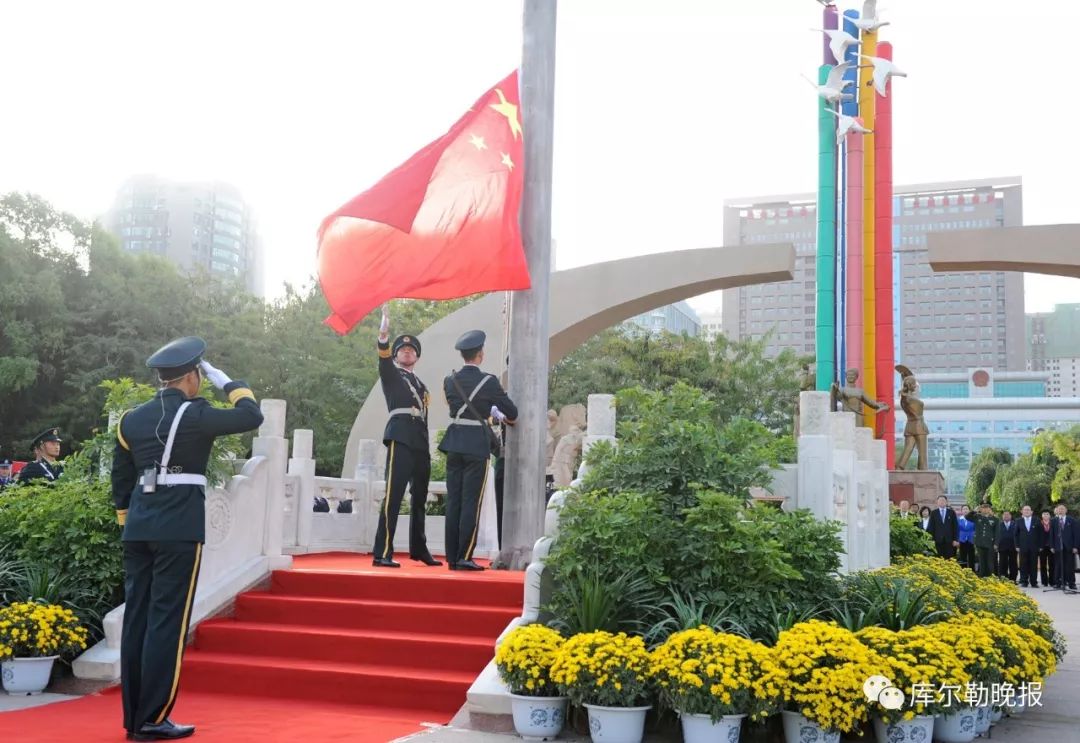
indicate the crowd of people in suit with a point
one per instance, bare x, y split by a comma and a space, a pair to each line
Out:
1028, 550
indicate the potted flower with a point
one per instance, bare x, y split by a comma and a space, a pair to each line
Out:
1028, 658
712, 679
816, 673
524, 658
32, 636
918, 664
983, 661
610, 675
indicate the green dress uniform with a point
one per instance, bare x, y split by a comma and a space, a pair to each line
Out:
408, 456
467, 448
159, 500
42, 469
985, 534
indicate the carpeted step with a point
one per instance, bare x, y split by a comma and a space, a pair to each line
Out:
451, 652
442, 587
434, 695
405, 616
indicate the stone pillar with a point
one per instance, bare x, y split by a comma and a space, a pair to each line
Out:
302, 465
860, 507
842, 428
368, 495
271, 443
600, 426
815, 488
878, 533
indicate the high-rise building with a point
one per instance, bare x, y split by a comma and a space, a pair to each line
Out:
945, 322
1054, 346
972, 410
675, 318
711, 324
193, 225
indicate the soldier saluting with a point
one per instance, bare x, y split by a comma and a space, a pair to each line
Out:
408, 456
158, 484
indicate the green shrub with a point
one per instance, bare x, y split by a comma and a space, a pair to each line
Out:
907, 539
66, 542
670, 445
716, 563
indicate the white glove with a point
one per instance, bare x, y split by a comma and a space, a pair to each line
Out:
217, 377
384, 326
497, 414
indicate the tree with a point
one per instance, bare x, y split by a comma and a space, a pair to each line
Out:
736, 376
982, 472
77, 311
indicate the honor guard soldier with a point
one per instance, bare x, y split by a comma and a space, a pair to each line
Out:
46, 448
468, 443
408, 456
159, 488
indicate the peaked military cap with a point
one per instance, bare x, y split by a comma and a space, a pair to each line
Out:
406, 340
50, 434
177, 358
471, 341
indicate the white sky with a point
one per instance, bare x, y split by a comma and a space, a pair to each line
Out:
664, 108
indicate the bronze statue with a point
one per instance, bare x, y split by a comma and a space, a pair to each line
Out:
916, 430
854, 399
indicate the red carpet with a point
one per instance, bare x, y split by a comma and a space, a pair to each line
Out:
335, 650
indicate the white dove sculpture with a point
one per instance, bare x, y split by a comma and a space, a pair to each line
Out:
833, 89
839, 41
868, 21
849, 124
883, 70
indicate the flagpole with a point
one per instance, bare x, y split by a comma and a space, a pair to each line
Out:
523, 502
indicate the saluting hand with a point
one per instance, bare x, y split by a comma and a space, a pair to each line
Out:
384, 326
217, 377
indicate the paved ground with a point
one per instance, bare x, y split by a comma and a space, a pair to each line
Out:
8, 702
1057, 720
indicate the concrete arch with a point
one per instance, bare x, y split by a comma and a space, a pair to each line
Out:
1050, 249
584, 301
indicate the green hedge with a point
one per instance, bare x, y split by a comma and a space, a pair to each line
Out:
65, 537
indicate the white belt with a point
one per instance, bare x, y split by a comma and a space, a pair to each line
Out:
466, 422
414, 412
179, 479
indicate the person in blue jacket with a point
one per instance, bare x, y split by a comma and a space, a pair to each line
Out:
967, 538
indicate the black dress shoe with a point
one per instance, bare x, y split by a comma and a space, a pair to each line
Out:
385, 562
167, 730
427, 560
468, 565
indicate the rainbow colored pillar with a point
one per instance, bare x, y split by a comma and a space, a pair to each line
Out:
825, 328
853, 199
883, 261
867, 109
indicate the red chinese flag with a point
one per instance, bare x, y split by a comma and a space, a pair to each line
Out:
443, 225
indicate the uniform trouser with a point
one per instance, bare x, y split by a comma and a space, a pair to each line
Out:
405, 467
986, 561
967, 555
1047, 567
1029, 560
500, 480
1007, 563
466, 478
159, 586
1066, 568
